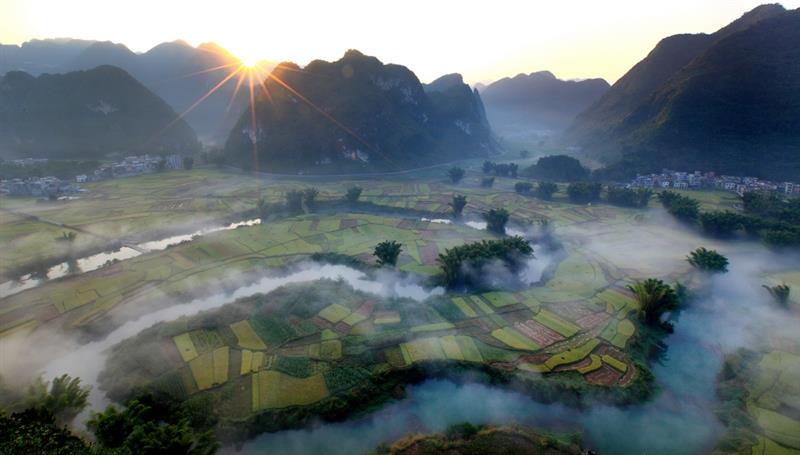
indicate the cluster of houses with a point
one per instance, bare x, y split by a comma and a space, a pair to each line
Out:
131, 165
53, 186
39, 186
698, 180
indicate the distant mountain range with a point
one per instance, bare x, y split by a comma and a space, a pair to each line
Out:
86, 114
538, 103
727, 102
358, 114
177, 72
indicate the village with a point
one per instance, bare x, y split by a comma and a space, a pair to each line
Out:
54, 187
699, 180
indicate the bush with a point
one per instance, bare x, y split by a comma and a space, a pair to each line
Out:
627, 197
487, 182
545, 190
523, 187
455, 174
584, 192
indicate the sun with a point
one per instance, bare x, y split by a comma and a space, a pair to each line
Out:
249, 60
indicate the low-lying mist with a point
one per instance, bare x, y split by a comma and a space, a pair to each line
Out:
734, 311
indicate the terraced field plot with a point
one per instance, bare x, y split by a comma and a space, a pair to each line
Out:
179, 269
316, 349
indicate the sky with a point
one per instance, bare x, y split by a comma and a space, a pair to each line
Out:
482, 40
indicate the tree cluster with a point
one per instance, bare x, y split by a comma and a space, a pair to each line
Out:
501, 169
558, 168
584, 192
457, 261
628, 197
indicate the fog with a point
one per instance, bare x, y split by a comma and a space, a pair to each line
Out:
735, 311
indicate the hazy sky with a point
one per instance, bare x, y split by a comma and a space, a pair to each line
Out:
483, 40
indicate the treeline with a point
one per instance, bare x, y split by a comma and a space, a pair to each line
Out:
36, 422
63, 169
501, 169
768, 217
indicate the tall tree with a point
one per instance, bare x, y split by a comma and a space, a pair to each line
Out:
456, 174
353, 193
708, 260
496, 220
654, 298
458, 204
387, 252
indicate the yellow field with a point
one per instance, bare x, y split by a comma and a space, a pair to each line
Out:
274, 390
185, 346
514, 339
246, 337
423, 349
334, 313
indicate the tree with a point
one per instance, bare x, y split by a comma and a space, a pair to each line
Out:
681, 207
628, 197
154, 425
496, 220
559, 168
720, 224
353, 193
64, 399
458, 204
780, 293
387, 252
654, 298
545, 190
456, 262
523, 187
36, 431
455, 174
162, 165
188, 163
262, 207
68, 237
488, 167
487, 182
584, 192
294, 201
708, 260
310, 198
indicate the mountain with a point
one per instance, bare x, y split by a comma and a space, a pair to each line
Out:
86, 114
538, 104
728, 102
358, 114
177, 72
